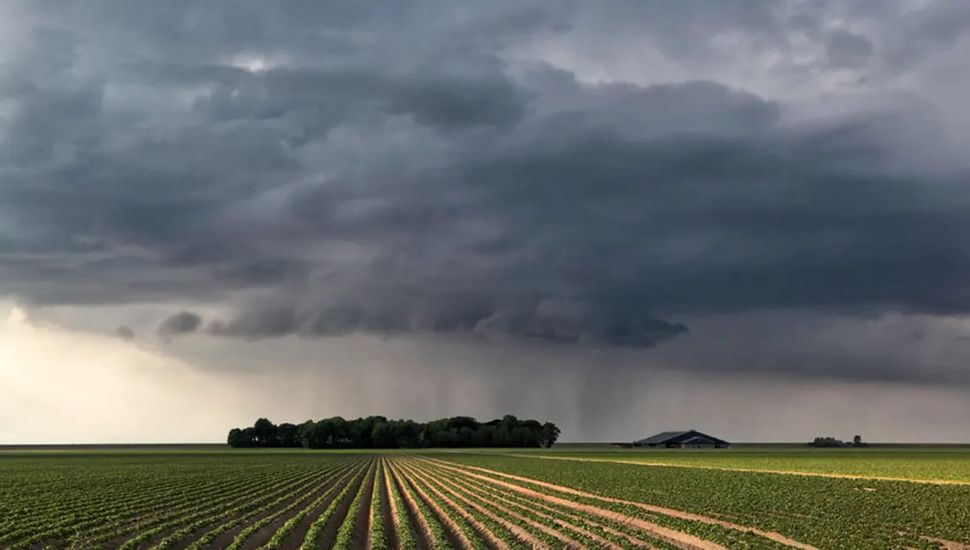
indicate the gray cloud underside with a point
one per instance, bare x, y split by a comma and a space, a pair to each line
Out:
384, 173
184, 322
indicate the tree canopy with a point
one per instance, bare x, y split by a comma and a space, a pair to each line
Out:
378, 432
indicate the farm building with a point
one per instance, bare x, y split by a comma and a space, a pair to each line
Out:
684, 439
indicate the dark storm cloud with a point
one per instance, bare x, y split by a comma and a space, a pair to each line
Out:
183, 322
847, 49
548, 319
928, 32
321, 172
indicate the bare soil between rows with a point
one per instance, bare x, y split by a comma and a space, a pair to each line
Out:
664, 532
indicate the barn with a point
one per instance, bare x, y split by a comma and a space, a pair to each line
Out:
682, 440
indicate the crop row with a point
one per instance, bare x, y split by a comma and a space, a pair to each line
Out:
455, 500
478, 511
89, 525
70, 515
929, 463
711, 504
251, 502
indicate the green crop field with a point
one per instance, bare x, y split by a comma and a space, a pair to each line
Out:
939, 463
212, 498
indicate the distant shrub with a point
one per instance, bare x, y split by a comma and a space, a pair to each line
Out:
828, 442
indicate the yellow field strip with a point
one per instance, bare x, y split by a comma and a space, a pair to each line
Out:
736, 469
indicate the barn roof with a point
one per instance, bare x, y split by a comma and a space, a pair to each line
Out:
677, 437
662, 437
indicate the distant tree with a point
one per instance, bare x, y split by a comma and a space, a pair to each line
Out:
235, 437
320, 435
484, 436
303, 433
287, 435
265, 432
340, 432
827, 442
383, 436
407, 434
857, 440
550, 433
246, 438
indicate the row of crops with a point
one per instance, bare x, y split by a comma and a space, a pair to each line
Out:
454, 506
822, 512
904, 463
346, 501
318, 501
157, 502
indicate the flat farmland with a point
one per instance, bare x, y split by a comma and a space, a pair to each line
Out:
929, 463
143, 498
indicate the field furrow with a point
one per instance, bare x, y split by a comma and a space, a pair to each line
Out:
561, 493
528, 532
601, 531
102, 528
430, 530
93, 522
774, 471
428, 500
562, 516
672, 536
287, 530
465, 527
404, 528
495, 534
322, 532
585, 531
378, 534
224, 518
32, 513
352, 533
231, 524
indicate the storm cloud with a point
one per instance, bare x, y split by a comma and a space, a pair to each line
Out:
326, 171
184, 322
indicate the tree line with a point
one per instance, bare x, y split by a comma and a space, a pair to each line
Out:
377, 432
833, 442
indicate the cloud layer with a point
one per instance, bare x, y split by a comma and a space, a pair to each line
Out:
332, 170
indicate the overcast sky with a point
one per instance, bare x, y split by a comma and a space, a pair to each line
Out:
746, 217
